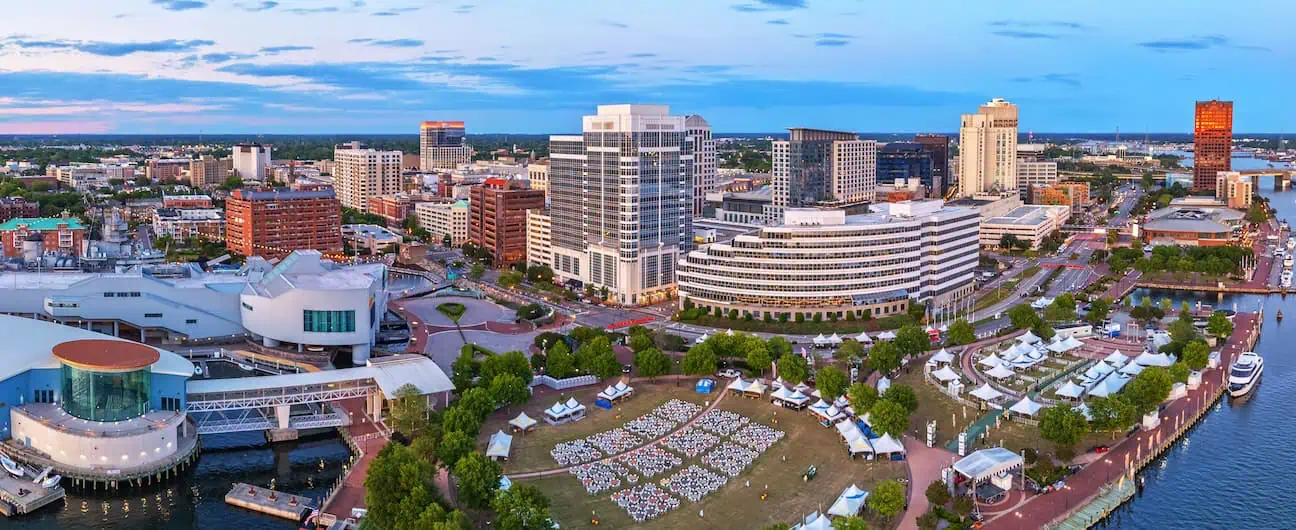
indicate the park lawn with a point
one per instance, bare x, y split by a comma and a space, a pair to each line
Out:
735, 505
452, 310
934, 405
1018, 436
530, 452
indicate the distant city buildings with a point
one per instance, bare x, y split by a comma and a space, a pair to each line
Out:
186, 201
826, 263
538, 174
250, 161
396, 207
1234, 189
1195, 222
539, 238
11, 207
816, 166
988, 149
1212, 142
374, 238
61, 235
939, 147
207, 223
620, 200
1035, 173
906, 160
275, 223
498, 218
704, 160
164, 169
210, 171
1030, 223
361, 173
445, 217
441, 145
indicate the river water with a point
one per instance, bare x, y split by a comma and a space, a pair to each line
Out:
196, 499
1233, 469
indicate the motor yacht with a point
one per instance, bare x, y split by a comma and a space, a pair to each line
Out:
12, 467
1245, 373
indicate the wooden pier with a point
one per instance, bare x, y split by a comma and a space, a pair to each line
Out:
268, 501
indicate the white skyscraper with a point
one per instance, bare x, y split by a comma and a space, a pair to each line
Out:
704, 160
251, 161
620, 198
988, 149
360, 173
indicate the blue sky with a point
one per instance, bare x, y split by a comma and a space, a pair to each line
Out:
381, 66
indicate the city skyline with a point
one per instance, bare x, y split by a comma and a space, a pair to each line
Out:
381, 67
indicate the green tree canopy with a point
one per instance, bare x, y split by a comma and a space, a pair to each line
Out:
399, 490
1024, 317
758, 356
1063, 425
889, 417
651, 362
409, 411
778, 346
508, 389
938, 493
887, 498
1148, 389
852, 350
1219, 325
1196, 354
591, 350
902, 395
912, 340
853, 522
559, 362
463, 370
640, 342
479, 479
1062, 308
462, 419
961, 332
514, 362
1113, 413
605, 365
1099, 310
831, 382
793, 368
700, 360
862, 396
1179, 372
884, 357
454, 445
522, 507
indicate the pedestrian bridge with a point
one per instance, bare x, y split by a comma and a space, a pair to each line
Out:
290, 402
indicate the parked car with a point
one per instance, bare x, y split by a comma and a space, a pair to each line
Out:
1099, 449
728, 373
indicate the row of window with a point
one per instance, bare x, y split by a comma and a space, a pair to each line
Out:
132, 294
328, 321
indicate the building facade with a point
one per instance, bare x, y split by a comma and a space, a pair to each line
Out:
906, 160
813, 166
250, 161
538, 174
11, 207
620, 198
362, 173
1212, 142
61, 235
374, 238
988, 149
445, 217
539, 238
210, 171
1234, 189
939, 147
498, 218
206, 223
1031, 223
704, 160
162, 169
186, 201
827, 263
275, 223
1035, 174
441, 145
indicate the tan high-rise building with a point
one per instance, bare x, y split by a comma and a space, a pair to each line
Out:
210, 171
441, 145
988, 149
361, 173
1234, 189
538, 174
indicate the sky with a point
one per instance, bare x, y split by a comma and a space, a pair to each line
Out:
537, 66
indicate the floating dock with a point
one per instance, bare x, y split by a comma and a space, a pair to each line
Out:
268, 501
20, 496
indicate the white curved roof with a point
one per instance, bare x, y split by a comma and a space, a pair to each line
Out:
29, 345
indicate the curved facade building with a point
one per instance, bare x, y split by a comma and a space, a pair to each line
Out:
91, 405
825, 262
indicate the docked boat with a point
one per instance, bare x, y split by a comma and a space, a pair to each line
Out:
1245, 373
1287, 262
245, 367
51, 482
1291, 243
12, 467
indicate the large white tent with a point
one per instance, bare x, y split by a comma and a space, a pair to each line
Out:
849, 502
1061, 346
987, 463
991, 361
737, 385
1070, 390
887, 445
1132, 369
820, 340
886, 335
1026, 407
814, 521
999, 372
856, 442
1153, 359
863, 337
987, 392
1028, 338
499, 445
945, 375
756, 387
834, 339
1116, 359
942, 357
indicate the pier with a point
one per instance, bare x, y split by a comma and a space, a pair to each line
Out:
23, 495
271, 502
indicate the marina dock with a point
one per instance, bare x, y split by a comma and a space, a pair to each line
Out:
20, 495
271, 502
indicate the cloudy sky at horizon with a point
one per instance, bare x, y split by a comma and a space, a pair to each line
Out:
381, 66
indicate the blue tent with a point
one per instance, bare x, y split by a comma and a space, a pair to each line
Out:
704, 386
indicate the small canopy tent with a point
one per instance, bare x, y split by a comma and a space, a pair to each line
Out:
856, 443
1153, 359
737, 385
499, 446
1116, 359
887, 445
999, 372
849, 502
945, 375
1083, 408
863, 337
883, 384
1026, 407
755, 387
820, 340
557, 414
1028, 338
987, 393
990, 361
704, 386
701, 339
814, 521
886, 335
1070, 390
523, 422
942, 357
1132, 369
834, 339
575, 408
988, 463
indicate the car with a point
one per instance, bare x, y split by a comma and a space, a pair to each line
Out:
625, 369
728, 373
1099, 449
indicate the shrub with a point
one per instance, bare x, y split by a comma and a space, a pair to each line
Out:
938, 493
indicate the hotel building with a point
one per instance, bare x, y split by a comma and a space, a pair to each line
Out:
441, 218
826, 262
441, 145
815, 166
988, 149
362, 173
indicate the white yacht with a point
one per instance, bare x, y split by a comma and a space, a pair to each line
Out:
1245, 373
1287, 262
1291, 243
12, 467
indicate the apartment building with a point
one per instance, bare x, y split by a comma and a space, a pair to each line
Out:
445, 217
210, 171
815, 166
988, 149
275, 223
250, 161
62, 235
361, 173
498, 218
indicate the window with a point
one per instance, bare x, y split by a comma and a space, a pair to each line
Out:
170, 403
328, 321
135, 294
247, 306
44, 396
191, 321
152, 315
108, 295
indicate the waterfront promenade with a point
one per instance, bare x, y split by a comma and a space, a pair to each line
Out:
1130, 454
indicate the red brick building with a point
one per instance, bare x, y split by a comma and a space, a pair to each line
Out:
61, 234
498, 218
11, 207
185, 202
274, 223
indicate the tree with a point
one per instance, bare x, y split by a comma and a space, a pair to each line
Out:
1179, 372
1196, 354
793, 368
862, 396
1099, 310
521, 507
1219, 325
454, 445
778, 346
758, 356
651, 362
1182, 331
831, 382
700, 360
605, 365
1008, 241
446, 241
902, 395
912, 340
1148, 389
559, 362
961, 332
590, 351
477, 271
464, 370
852, 350
962, 505
539, 273
1063, 425
929, 520
232, 182
513, 362
884, 357
479, 479
640, 342
409, 411
460, 419
477, 401
510, 279
853, 522
938, 493
508, 389
1024, 317
399, 491
887, 498
889, 417
1062, 308
1112, 413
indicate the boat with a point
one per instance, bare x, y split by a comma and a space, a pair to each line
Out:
1291, 244
1287, 262
51, 482
12, 467
245, 367
1244, 373
1279, 315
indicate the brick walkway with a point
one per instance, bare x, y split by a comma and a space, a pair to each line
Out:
350, 493
1128, 454
925, 465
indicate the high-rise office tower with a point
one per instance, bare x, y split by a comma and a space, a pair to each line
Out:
498, 209
361, 173
620, 198
1212, 142
704, 160
441, 145
816, 166
988, 149
938, 146
905, 160
251, 161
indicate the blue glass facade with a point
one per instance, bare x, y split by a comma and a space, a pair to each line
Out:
904, 160
328, 321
